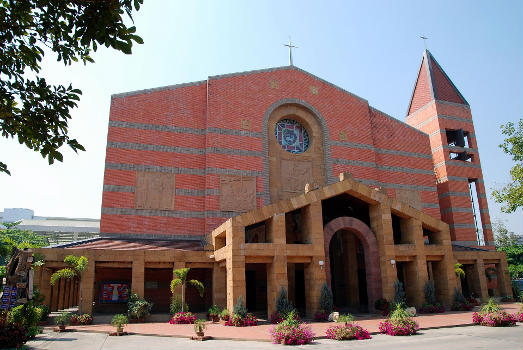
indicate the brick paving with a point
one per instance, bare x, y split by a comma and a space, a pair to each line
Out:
261, 332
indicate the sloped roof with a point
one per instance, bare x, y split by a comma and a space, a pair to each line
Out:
433, 83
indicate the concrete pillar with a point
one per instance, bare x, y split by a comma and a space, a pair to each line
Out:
276, 278
314, 279
503, 277
61, 293
480, 280
86, 293
291, 278
235, 264
72, 285
45, 285
67, 291
219, 286
54, 296
381, 225
138, 274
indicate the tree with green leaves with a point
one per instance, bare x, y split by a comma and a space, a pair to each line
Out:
511, 195
76, 265
181, 281
32, 110
11, 236
507, 242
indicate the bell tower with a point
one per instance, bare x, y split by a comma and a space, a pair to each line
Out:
438, 109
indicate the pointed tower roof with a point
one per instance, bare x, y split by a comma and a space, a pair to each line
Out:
433, 84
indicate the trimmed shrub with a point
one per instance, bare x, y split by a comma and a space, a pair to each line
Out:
28, 316
239, 308
326, 299
138, 307
399, 293
283, 305
183, 318
224, 315
347, 332
460, 303
430, 293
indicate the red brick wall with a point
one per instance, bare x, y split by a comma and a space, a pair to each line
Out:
196, 132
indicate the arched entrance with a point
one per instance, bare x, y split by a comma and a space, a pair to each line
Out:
339, 234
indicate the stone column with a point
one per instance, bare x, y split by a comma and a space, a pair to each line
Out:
138, 274
276, 278
235, 265
503, 277
381, 225
86, 288
54, 296
45, 285
480, 280
67, 292
219, 286
72, 285
415, 233
314, 280
61, 293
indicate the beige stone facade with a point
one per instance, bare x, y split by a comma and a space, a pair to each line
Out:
420, 251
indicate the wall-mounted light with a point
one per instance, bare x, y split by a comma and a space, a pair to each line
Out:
393, 262
321, 262
211, 256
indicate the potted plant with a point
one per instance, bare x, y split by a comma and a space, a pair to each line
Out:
199, 328
138, 308
214, 313
224, 315
119, 321
63, 320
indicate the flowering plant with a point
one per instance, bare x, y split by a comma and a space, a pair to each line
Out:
432, 308
399, 323
461, 306
494, 319
291, 331
278, 317
81, 319
183, 318
347, 331
518, 316
237, 321
321, 316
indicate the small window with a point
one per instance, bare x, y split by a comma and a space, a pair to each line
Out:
463, 156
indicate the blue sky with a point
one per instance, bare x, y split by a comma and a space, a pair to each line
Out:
371, 48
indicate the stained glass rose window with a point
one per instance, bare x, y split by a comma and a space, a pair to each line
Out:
292, 136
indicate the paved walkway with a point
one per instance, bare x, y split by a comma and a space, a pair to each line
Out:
458, 338
261, 332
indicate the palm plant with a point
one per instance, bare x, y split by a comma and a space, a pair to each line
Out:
458, 269
181, 280
76, 265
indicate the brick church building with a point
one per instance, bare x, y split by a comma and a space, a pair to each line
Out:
275, 177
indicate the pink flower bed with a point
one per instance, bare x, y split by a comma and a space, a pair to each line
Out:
494, 319
84, 319
295, 335
247, 321
518, 316
321, 316
347, 332
399, 327
432, 309
183, 318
